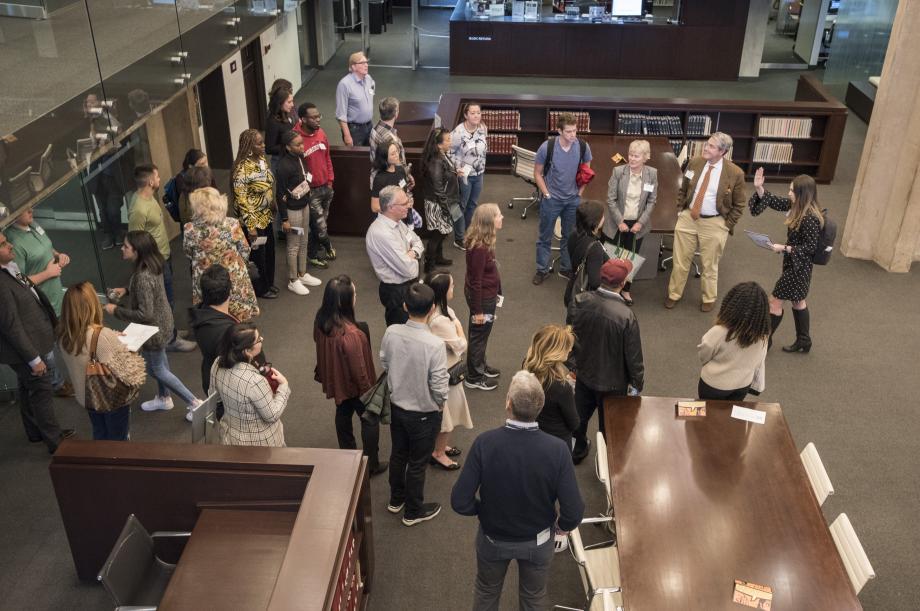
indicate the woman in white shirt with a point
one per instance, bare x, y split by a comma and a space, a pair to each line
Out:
468, 150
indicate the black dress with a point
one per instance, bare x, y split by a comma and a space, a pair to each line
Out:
559, 417
796, 277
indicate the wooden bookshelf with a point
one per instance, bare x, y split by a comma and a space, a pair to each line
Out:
815, 154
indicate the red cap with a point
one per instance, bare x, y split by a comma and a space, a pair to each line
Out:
615, 271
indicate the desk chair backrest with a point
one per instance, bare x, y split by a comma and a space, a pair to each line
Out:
204, 419
124, 571
522, 162
817, 475
40, 178
20, 189
851, 552
577, 547
602, 469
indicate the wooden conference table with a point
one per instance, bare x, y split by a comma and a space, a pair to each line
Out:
701, 502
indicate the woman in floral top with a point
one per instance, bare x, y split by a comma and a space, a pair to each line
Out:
253, 193
468, 151
212, 238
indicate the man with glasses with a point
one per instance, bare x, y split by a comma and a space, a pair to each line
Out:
394, 250
317, 167
354, 102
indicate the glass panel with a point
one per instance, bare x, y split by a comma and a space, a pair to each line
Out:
209, 32
255, 16
860, 40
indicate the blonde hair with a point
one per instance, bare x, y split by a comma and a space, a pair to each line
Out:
208, 205
354, 58
80, 311
481, 231
806, 201
642, 147
549, 348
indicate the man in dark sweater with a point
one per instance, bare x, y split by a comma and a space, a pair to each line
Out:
520, 473
212, 318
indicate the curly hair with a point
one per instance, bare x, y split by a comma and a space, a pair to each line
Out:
246, 148
745, 312
549, 348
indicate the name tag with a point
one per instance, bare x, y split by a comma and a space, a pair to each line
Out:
309, 177
648, 187
39, 230
402, 183
543, 537
689, 174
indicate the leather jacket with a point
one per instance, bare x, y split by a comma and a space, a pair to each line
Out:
609, 355
443, 184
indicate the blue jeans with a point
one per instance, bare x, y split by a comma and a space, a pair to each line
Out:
550, 210
111, 426
168, 283
158, 367
469, 199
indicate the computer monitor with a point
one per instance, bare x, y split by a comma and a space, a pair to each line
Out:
626, 8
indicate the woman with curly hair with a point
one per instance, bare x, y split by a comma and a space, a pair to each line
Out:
482, 288
254, 196
734, 351
549, 349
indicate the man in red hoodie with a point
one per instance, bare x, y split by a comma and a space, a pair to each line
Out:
317, 164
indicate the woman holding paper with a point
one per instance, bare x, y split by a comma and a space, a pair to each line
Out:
468, 148
804, 222
733, 352
144, 302
631, 196
81, 319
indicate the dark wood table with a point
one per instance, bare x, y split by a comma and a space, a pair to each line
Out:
702, 502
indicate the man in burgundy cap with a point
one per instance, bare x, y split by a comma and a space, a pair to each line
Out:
611, 361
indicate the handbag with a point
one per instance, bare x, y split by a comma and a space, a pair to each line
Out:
111, 386
457, 372
437, 218
620, 252
580, 280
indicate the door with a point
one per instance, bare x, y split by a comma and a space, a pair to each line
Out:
212, 100
254, 84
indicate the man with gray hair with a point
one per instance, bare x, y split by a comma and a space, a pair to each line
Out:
520, 473
386, 128
710, 202
394, 251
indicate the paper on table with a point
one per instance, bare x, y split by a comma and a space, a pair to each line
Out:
761, 239
751, 415
135, 335
259, 241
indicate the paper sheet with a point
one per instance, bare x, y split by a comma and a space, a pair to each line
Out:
259, 241
135, 335
761, 239
750, 415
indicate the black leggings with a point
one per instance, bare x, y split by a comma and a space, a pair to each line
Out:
705, 391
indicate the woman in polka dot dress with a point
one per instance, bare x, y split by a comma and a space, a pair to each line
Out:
804, 222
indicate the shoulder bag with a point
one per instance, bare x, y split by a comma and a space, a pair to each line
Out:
111, 386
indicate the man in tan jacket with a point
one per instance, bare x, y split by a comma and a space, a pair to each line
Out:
710, 201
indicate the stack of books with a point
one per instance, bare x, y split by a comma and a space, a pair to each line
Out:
500, 144
699, 125
631, 123
502, 120
773, 152
582, 118
785, 127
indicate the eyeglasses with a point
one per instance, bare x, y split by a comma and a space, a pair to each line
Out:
362, 62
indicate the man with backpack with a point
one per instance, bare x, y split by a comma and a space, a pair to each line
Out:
555, 171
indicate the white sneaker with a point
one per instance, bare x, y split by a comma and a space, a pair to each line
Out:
296, 287
194, 404
309, 280
157, 403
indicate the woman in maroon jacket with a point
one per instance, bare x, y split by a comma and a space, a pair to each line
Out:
482, 290
345, 366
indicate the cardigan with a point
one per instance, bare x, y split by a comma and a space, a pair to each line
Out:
344, 363
728, 366
147, 305
482, 282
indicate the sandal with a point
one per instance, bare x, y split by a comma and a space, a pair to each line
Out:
451, 467
453, 451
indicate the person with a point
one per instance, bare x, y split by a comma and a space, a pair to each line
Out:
354, 102
416, 365
482, 289
210, 238
394, 251
607, 355
345, 367
631, 196
549, 349
386, 129
585, 247
445, 324
144, 302
804, 222
733, 352
279, 83
560, 190
81, 318
195, 174
387, 170
441, 190
709, 203
253, 193
252, 409
27, 322
212, 316
520, 475
43, 264
280, 121
469, 145
293, 208
317, 163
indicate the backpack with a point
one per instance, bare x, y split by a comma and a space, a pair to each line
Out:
825, 241
171, 198
550, 147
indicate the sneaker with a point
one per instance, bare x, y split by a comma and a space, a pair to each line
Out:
192, 406
318, 263
394, 507
539, 277
330, 253
567, 274
308, 280
459, 244
483, 384
429, 510
296, 287
180, 345
271, 293
157, 403
492, 372
108, 244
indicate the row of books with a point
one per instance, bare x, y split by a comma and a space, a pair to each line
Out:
652, 125
582, 119
677, 145
502, 120
773, 152
500, 144
695, 147
784, 127
699, 125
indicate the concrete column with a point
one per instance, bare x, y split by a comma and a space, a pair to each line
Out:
883, 223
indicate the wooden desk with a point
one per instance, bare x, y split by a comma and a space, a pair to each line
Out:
702, 502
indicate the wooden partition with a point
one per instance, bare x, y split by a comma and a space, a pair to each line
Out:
173, 486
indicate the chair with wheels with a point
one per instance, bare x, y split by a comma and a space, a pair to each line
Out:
522, 162
599, 567
133, 575
851, 551
817, 475
39, 179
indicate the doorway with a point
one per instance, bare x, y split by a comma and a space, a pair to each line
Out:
780, 36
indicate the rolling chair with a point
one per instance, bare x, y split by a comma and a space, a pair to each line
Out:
522, 162
602, 470
817, 474
39, 180
20, 189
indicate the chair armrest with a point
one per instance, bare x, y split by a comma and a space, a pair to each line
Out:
597, 520
135, 608
169, 533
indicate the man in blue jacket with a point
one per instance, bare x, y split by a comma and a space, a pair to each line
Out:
520, 473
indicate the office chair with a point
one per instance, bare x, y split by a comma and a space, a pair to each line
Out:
851, 551
20, 189
38, 180
817, 474
602, 470
599, 567
522, 162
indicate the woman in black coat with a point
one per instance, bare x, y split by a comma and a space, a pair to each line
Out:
549, 349
441, 191
585, 247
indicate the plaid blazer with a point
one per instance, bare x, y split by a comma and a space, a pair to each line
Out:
252, 414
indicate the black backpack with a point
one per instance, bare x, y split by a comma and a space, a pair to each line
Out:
825, 241
551, 146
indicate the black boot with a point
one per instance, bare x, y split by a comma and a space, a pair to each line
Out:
774, 323
802, 339
439, 258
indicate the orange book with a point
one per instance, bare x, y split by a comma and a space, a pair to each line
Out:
753, 595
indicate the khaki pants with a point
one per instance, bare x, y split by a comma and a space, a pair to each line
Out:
706, 236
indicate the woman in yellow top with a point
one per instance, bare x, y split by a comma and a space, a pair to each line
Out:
254, 196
